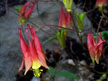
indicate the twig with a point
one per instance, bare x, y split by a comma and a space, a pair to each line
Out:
48, 25
99, 24
30, 22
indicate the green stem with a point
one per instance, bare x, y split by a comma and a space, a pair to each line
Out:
76, 30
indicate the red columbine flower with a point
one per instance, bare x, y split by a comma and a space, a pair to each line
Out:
27, 9
95, 49
64, 21
64, 18
100, 3
33, 55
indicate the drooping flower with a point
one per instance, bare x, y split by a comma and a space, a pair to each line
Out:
95, 48
33, 55
100, 3
65, 21
27, 9
64, 18
68, 4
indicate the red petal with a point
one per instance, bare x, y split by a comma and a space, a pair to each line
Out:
23, 45
41, 58
101, 2
38, 47
60, 17
22, 65
64, 19
99, 46
26, 54
31, 48
91, 44
69, 21
23, 9
28, 63
90, 41
32, 35
30, 11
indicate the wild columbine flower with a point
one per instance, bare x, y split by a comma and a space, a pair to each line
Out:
64, 21
64, 18
95, 49
27, 10
68, 4
100, 3
33, 55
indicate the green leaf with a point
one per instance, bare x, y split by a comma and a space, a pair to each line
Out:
26, 19
62, 74
52, 71
82, 16
49, 40
80, 20
102, 77
18, 9
66, 74
62, 34
60, 37
104, 35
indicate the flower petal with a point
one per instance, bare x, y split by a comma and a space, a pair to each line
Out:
101, 3
31, 48
91, 44
40, 54
28, 63
30, 11
22, 65
26, 54
23, 9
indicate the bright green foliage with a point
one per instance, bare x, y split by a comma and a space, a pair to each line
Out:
80, 20
61, 37
104, 35
68, 5
62, 74
18, 9
102, 77
66, 74
52, 71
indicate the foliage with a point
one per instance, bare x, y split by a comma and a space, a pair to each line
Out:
62, 74
69, 19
